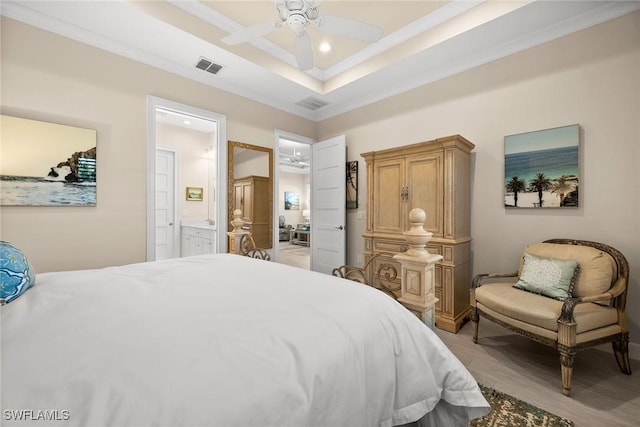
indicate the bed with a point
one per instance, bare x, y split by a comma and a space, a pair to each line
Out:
223, 340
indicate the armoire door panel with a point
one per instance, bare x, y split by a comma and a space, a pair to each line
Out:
247, 198
238, 198
388, 209
425, 183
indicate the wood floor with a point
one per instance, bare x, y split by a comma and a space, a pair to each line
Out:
601, 394
294, 255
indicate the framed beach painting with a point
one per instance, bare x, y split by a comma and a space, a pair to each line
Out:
291, 201
46, 164
541, 168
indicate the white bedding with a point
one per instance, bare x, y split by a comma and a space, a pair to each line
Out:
221, 340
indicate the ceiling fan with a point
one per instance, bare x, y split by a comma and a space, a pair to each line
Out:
298, 15
297, 159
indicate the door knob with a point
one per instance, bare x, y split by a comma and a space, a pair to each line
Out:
170, 224
340, 227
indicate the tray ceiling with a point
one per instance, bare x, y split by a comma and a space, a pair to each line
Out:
423, 41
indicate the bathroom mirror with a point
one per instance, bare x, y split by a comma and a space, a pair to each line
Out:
250, 185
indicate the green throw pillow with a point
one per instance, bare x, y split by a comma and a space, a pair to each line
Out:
550, 277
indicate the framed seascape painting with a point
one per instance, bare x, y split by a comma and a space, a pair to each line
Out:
291, 201
541, 168
46, 164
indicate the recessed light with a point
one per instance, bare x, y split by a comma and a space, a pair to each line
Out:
187, 122
325, 47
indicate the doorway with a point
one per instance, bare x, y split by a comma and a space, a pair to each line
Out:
292, 200
198, 138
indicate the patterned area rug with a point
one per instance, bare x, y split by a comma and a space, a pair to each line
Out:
507, 411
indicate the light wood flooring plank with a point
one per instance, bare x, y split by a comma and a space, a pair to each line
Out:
601, 395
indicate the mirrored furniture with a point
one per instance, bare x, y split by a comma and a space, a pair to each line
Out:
250, 189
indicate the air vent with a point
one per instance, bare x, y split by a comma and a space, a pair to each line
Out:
208, 66
312, 103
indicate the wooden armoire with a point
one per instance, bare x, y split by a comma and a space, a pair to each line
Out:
433, 176
251, 196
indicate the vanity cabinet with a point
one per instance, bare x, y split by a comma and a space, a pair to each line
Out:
433, 176
197, 241
252, 197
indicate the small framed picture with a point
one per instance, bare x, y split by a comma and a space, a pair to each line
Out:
352, 185
194, 193
291, 201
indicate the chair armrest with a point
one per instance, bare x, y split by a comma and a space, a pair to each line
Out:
479, 278
570, 304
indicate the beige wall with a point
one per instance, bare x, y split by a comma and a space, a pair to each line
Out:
591, 78
47, 77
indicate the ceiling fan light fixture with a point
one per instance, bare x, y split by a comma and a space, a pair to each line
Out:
298, 14
297, 23
325, 47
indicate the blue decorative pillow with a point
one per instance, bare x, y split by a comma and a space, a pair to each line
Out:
16, 273
550, 277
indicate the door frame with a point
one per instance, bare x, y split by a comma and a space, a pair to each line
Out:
283, 134
153, 103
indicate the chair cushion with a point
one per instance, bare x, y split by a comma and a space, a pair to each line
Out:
541, 311
597, 270
550, 277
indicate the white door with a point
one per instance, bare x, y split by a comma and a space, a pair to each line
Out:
165, 204
328, 204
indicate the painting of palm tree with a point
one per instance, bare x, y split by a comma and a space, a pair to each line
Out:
542, 168
564, 186
540, 183
515, 186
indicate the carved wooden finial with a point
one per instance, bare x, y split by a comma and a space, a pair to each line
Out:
237, 221
417, 236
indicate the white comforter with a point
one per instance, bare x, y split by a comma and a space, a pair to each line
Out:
221, 340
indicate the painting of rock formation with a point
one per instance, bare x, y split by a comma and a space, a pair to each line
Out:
46, 164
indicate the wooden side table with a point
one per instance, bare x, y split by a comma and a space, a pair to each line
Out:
300, 237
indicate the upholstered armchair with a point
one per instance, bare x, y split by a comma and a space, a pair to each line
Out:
567, 294
284, 229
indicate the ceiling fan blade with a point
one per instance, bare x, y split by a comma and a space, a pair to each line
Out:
250, 33
349, 28
303, 52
